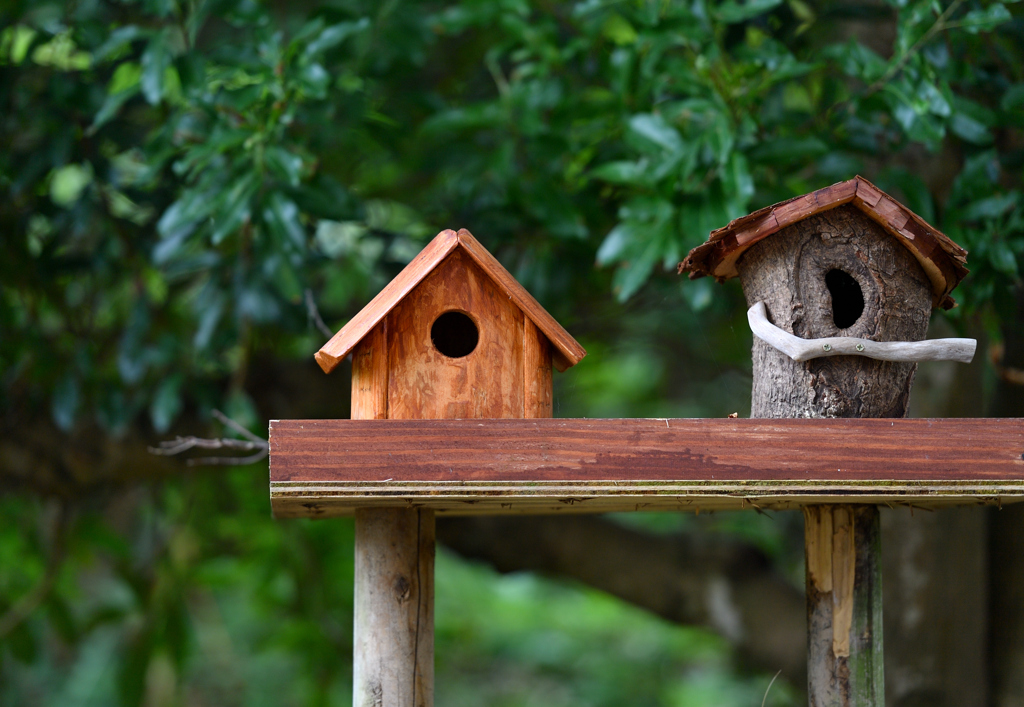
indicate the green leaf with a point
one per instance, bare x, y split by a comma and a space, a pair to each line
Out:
633, 273
1003, 258
111, 107
66, 400
991, 207
335, 35
315, 79
285, 165
971, 121
117, 41
1013, 99
234, 208
622, 172
68, 182
166, 404
985, 20
338, 238
614, 244
653, 129
282, 218
788, 149
733, 11
739, 184
619, 30
155, 62
183, 215
699, 294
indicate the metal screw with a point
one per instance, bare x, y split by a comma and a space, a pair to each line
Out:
827, 347
860, 347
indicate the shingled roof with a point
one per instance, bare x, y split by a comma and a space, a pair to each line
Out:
942, 259
566, 352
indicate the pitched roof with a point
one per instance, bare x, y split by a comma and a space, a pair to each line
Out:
942, 259
566, 352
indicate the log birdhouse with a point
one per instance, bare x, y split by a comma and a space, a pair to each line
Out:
847, 264
453, 336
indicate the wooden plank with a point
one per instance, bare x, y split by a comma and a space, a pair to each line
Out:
536, 372
342, 343
567, 351
370, 376
328, 467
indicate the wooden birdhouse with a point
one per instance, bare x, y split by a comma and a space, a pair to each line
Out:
453, 336
845, 262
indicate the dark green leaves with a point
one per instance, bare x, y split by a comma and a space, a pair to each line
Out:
156, 62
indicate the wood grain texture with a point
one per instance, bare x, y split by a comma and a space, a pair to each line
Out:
424, 383
943, 261
566, 349
844, 606
370, 375
393, 651
537, 399
329, 467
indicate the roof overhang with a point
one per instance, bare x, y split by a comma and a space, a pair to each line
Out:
942, 260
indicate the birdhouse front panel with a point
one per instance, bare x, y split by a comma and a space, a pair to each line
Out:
455, 347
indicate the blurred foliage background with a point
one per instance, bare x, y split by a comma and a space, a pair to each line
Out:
193, 191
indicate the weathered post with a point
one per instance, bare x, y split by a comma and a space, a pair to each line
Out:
453, 336
844, 268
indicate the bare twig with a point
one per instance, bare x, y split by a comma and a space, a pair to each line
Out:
179, 445
23, 607
228, 422
314, 315
770, 687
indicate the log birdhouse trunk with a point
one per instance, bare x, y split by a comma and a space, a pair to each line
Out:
836, 273
454, 336
846, 261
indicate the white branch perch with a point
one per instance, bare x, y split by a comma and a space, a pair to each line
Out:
798, 349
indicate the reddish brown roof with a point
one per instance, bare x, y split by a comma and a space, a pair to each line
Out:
567, 352
942, 259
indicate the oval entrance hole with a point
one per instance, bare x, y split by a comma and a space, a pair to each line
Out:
454, 334
847, 298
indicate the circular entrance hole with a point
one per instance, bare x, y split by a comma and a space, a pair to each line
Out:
847, 298
454, 334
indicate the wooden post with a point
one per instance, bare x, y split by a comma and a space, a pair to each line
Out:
393, 649
393, 631
844, 606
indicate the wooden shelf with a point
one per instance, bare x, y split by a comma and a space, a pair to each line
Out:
322, 468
